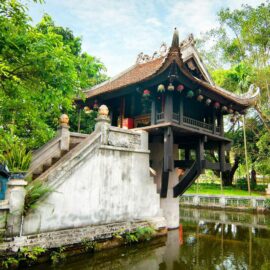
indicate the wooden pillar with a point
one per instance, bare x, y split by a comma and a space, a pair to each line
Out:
214, 117
187, 153
181, 110
168, 110
79, 120
221, 125
200, 153
153, 112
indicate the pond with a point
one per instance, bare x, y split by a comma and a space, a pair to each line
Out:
206, 239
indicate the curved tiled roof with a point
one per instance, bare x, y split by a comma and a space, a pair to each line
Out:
143, 71
132, 75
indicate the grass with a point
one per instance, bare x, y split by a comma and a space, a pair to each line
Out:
215, 189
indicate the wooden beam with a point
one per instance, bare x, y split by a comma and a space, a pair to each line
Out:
200, 153
181, 110
183, 163
168, 110
153, 111
164, 184
187, 153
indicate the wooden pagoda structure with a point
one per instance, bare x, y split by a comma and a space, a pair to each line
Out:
172, 96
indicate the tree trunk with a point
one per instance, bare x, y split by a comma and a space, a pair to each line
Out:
227, 177
253, 177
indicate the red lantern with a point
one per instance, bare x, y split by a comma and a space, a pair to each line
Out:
200, 98
180, 88
95, 106
216, 105
146, 93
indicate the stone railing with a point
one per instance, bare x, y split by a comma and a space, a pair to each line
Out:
226, 217
230, 202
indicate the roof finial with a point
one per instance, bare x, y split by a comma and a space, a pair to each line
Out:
175, 40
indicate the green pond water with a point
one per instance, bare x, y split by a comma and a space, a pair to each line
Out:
206, 239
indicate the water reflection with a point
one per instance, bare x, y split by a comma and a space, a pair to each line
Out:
206, 240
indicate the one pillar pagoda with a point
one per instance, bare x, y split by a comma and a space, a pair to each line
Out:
172, 96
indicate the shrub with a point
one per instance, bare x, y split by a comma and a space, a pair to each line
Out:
58, 255
88, 245
34, 192
16, 156
29, 256
242, 184
267, 204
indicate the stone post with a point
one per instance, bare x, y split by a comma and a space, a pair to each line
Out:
103, 123
144, 139
15, 196
63, 131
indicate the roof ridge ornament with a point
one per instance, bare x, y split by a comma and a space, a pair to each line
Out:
188, 41
144, 58
175, 40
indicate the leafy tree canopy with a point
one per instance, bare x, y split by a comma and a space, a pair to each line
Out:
42, 70
238, 54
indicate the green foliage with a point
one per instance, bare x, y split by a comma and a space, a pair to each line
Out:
42, 70
144, 233
25, 257
15, 155
140, 234
34, 191
58, 255
87, 121
267, 203
10, 262
89, 245
30, 255
241, 43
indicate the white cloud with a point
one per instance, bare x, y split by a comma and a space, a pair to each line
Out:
154, 21
117, 30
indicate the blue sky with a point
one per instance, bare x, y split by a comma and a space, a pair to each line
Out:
116, 31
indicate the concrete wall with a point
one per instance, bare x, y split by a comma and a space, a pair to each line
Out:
110, 184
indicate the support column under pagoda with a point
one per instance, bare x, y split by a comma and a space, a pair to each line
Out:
168, 204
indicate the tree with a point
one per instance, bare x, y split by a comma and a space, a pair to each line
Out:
42, 70
242, 43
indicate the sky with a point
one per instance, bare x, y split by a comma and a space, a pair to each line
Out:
116, 31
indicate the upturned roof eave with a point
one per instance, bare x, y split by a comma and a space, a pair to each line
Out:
173, 55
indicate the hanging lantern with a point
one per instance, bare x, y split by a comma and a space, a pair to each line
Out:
87, 110
95, 106
208, 101
170, 87
161, 88
146, 93
216, 105
231, 110
180, 88
200, 98
198, 91
224, 109
190, 94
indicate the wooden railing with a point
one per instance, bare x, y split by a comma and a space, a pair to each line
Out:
160, 117
189, 122
176, 117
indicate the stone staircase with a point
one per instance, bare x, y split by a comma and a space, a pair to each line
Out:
54, 150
